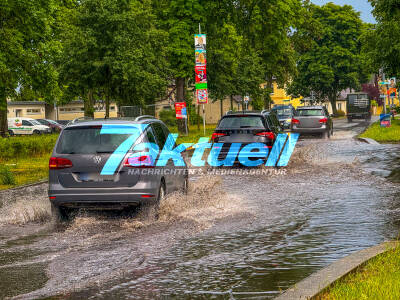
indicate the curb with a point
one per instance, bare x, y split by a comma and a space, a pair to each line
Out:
317, 282
368, 141
23, 186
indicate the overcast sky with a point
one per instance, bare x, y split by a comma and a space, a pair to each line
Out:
362, 6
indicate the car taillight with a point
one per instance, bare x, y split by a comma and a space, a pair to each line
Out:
323, 120
295, 121
217, 135
56, 163
267, 134
139, 161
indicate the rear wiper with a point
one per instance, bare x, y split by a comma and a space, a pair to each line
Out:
104, 152
246, 126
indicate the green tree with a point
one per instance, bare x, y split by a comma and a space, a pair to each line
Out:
332, 60
382, 40
223, 51
113, 50
27, 47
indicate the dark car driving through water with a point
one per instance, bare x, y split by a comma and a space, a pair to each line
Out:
90, 169
246, 128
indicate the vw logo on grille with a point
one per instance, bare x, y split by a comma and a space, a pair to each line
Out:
97, 159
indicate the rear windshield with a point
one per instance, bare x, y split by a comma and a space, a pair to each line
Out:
310, 112
358, 100
88, 141
241, 122
283, 112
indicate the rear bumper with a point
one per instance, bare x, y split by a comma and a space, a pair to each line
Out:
309, 130
358, 116
100, 198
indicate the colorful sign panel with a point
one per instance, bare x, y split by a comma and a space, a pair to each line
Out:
385, 120
200, 41
202, 96
201, 74
180, 110
201, 57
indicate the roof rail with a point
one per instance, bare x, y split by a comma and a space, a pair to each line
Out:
229, 112
264, 111
145, 117
79, 120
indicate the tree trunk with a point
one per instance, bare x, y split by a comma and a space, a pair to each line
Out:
333, 99
231, 102
107, 105
88, 105
221, 106
180, 97
3, 112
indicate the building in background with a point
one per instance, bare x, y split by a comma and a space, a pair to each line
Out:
42, 110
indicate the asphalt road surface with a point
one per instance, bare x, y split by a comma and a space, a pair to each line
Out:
233, 237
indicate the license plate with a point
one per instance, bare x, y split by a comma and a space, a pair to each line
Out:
93, 177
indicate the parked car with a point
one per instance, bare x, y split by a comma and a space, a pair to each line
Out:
273, 121
80, 154
245, 128
313, 120
358, 107
63, 122
55, 127
285, 114
18, 126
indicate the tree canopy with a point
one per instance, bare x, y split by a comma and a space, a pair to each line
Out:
27, 47
332, 59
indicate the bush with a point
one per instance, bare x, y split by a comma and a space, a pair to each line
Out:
27, 146
340, 113
194, 118
168, 117
397, 109
6, 176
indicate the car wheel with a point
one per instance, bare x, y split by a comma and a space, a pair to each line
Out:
60, 214
161, 193
11, 133
36, 132
325, 135
185, 188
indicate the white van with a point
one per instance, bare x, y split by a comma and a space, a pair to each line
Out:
26, 126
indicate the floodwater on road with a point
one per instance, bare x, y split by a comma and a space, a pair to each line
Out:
232, 237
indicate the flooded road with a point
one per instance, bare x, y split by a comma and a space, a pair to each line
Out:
233, 237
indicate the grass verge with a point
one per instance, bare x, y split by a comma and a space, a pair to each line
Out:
383, 135
194, 134
26, 170
377, 279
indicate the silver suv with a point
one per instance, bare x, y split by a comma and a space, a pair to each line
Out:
95, 164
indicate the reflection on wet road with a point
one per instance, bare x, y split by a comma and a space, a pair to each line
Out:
242, 237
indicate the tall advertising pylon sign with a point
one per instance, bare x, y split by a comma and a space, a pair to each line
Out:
200, 45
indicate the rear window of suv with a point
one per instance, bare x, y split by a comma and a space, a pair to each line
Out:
88, 140
241, 122
309, 112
